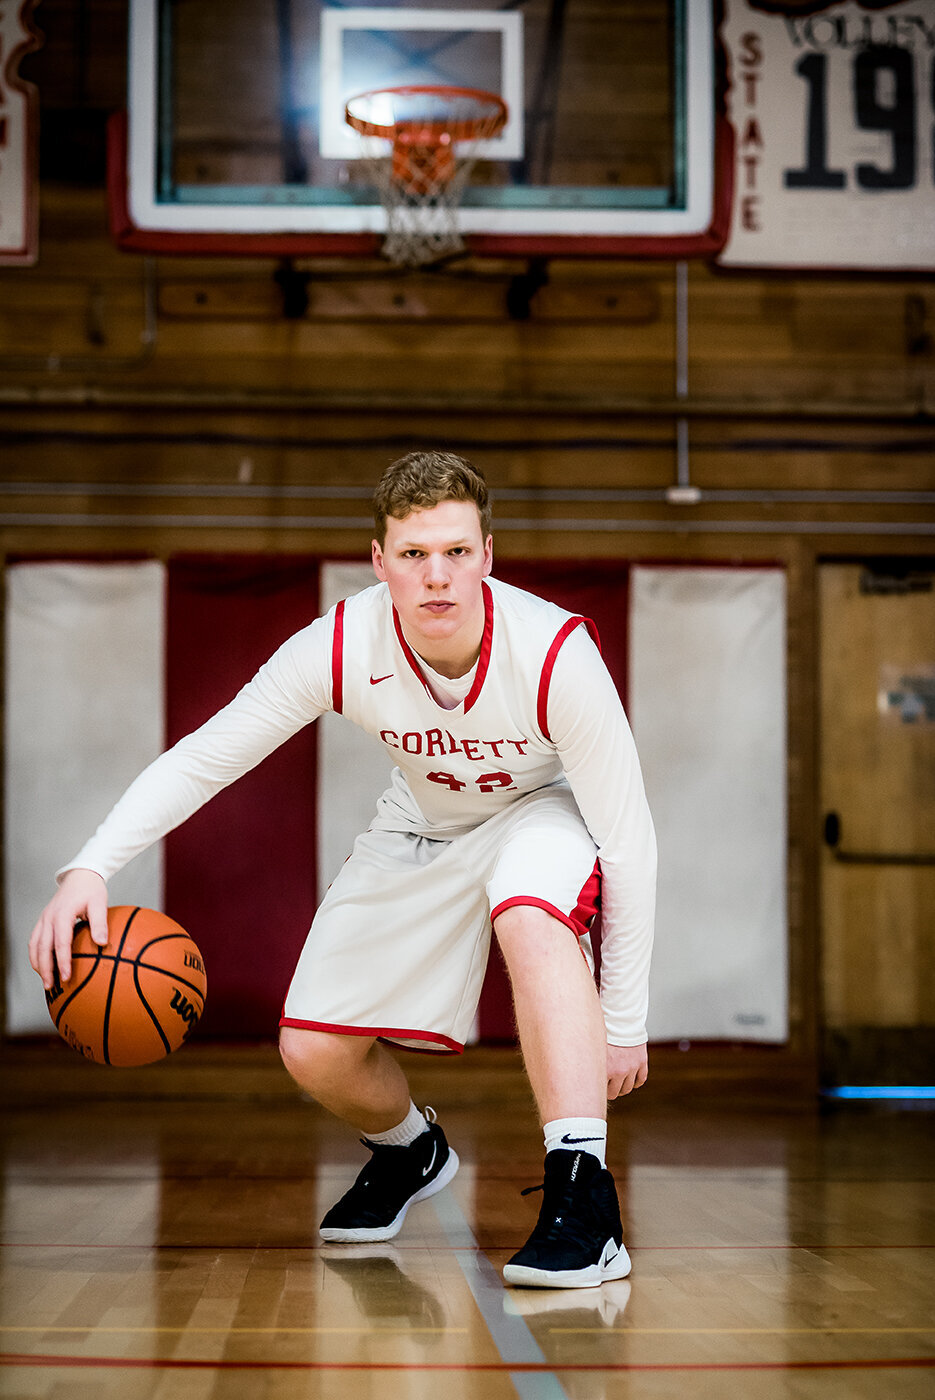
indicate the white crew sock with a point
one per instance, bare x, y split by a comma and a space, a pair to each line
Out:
587, 1134
405, 1132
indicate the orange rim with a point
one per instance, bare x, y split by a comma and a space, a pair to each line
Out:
434, 131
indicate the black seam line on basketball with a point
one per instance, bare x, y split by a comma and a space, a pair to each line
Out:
165, 938
96, 957
159, 938
149, 1010
113, 983
165, 972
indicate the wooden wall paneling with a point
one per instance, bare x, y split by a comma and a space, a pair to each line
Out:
832, 339
594, 331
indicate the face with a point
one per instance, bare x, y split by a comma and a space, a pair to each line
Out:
433, 562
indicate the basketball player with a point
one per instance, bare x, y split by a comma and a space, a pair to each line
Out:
516, 800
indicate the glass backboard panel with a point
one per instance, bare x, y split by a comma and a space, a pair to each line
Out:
236, 114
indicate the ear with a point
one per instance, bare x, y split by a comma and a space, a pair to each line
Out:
488, 555
376, 555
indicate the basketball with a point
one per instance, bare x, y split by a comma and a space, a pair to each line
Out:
136, 999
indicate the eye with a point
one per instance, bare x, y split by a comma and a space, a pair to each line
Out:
459, 549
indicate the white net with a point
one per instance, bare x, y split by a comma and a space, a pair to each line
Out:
418, 147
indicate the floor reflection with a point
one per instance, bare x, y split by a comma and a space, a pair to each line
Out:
381, 1288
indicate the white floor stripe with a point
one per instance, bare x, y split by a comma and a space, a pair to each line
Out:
511, 1336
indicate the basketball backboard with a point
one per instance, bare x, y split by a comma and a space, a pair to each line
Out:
235, 138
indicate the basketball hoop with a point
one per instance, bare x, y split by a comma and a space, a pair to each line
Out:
419, 145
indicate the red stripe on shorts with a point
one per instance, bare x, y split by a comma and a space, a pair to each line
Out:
337, 660
589, 900
579, 920
432, 1038
545, 680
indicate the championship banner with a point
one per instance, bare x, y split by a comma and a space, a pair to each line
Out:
19, 143
833, 110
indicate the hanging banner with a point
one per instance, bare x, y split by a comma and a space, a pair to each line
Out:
833, 109
19, 138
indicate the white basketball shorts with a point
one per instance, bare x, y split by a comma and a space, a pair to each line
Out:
399, 945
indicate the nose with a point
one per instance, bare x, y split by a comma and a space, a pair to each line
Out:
436, 571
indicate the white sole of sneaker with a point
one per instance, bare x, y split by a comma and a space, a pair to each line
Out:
613, 1263
389, 1232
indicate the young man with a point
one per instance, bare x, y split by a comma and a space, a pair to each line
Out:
516, 799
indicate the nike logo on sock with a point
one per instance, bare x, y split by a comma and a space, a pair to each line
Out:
426, 1170
573, 1142
375, 680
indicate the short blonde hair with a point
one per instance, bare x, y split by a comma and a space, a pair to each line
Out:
421, 480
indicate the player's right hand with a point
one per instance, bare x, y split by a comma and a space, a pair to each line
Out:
82, 895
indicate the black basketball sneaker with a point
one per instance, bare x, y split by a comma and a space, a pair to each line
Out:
578, 1239
394, 1179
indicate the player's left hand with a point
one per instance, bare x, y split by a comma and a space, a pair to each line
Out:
627, 1068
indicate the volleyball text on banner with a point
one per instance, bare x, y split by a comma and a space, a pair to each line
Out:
833, 109
19, 138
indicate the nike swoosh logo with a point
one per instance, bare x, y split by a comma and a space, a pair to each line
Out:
426, 1170
375, 680
573, 1142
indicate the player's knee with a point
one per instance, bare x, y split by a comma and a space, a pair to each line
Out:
524, 930
318, 1057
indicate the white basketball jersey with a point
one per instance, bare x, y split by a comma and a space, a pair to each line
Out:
464, 764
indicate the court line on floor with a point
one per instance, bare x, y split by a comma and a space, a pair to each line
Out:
741, 1331
407, 1329
304, 1246
509, 1332
185, 1329
516, 1370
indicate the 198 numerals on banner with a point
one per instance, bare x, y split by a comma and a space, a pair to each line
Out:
884, 101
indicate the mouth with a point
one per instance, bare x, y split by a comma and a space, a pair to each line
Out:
437, 609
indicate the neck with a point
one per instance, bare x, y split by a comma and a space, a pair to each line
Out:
456, 655
453, 666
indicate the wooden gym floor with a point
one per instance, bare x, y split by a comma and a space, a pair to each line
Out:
159, 1242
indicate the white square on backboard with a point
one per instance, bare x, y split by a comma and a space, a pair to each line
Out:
336, 139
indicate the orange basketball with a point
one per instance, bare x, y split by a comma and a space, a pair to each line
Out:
138, 998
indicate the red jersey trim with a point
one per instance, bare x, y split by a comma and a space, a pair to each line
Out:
337, 660
483, 661
443, 1043
407, 652
486, 645
545, 680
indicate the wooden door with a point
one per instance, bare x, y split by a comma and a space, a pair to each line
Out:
878, 796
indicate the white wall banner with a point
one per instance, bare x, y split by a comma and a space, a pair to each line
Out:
19, 140
84, 714
707, 705
833, 109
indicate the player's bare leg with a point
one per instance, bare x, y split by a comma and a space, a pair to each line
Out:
354, 1077
357, 1079
578, 1240
558, 1014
